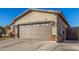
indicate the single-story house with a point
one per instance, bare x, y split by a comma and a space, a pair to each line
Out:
40, 25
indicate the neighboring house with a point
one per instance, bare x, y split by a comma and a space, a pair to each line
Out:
2, 31
9, 31
72, 34
76, 33
40, 25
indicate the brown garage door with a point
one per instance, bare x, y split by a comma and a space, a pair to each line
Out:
41, 31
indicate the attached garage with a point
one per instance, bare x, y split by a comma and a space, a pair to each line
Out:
38, 31
40, 25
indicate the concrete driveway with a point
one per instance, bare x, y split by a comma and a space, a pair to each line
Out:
34, 45
27, 45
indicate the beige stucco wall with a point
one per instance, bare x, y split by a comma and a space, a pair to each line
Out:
39, 16
60, 23
36, 16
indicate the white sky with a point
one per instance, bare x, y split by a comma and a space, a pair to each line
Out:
39, 3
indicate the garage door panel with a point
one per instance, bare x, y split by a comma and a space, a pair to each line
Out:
36, 31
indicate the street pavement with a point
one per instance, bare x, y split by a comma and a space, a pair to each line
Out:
35, 45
